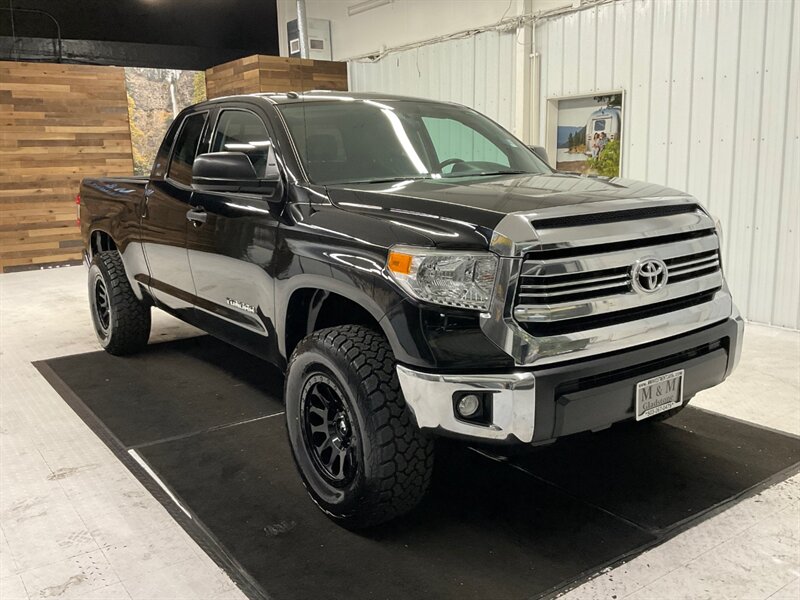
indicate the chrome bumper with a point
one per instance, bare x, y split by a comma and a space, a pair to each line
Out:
429, 396
736, 350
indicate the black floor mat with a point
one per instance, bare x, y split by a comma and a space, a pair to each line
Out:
173, 389
486, 531
656, 475
206, 418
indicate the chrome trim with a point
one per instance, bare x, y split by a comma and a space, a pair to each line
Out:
560, 311
529, 286
736, 351
620, 231
429, 396
527, 350
618, 258
698, 267
713, 258
578, 289
515, 236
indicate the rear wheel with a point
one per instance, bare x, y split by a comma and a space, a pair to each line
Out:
121, 321
361, 456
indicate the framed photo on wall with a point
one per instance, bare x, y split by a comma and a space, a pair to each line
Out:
585, 133
155, 97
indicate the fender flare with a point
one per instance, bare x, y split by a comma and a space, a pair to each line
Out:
98, 227
325, 285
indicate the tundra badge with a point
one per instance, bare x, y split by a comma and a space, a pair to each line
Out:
241, 305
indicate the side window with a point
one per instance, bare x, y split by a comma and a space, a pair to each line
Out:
453, 139
243, 131
180, 167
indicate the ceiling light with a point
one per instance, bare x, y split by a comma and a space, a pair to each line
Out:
360, 7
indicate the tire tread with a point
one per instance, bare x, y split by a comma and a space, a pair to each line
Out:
130, 328
405, 454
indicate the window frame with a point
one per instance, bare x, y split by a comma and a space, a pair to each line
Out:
264, 122
203, 132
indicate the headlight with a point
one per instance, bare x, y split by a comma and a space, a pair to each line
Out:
461, 279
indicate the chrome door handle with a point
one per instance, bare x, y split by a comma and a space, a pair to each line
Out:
148, 191
197, 216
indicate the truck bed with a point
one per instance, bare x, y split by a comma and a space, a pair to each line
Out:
111, 205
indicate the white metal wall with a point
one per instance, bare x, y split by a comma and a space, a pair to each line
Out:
711, 107
477, 71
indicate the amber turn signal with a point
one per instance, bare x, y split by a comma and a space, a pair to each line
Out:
399, 263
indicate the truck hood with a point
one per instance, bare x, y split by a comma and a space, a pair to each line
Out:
483, 201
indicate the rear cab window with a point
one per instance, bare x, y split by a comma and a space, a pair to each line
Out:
185, 149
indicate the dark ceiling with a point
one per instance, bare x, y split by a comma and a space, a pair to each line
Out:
249, 25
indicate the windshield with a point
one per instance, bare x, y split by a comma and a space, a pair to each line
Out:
365, 141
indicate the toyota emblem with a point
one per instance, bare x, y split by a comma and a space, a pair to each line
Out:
649, 275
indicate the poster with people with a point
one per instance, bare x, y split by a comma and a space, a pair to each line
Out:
589, 134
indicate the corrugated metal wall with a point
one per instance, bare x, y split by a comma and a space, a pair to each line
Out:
711, 107
476, 71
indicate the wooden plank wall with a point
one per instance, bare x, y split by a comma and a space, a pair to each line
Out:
58, 123
236, 77
259, 73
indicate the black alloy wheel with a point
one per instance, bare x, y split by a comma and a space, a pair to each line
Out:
101, 304
328, 431
357, 448
121, 320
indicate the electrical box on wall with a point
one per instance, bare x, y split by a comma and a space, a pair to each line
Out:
319, 39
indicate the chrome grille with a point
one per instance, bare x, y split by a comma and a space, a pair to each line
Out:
693, 265
578, 288
565, 287
544, 290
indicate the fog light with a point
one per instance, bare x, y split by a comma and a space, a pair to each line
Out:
468, 405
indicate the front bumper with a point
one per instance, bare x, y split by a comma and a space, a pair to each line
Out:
538, 405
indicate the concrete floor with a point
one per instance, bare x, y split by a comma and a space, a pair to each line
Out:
74, 523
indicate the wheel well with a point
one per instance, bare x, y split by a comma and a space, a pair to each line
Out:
101, 242
314, 309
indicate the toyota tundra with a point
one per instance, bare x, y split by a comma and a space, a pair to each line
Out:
416, 271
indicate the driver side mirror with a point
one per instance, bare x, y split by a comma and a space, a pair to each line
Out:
540, 152
233, 172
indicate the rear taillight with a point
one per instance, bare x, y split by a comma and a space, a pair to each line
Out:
78, 210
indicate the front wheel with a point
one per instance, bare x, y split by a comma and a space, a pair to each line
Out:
121, 321
361, 456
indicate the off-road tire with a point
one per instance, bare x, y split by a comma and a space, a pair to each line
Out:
123, 326
394, 458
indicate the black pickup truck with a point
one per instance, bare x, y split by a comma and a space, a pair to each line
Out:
416, 271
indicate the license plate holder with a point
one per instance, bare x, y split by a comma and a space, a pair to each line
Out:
659, 394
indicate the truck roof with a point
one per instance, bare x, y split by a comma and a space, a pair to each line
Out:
320, 95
